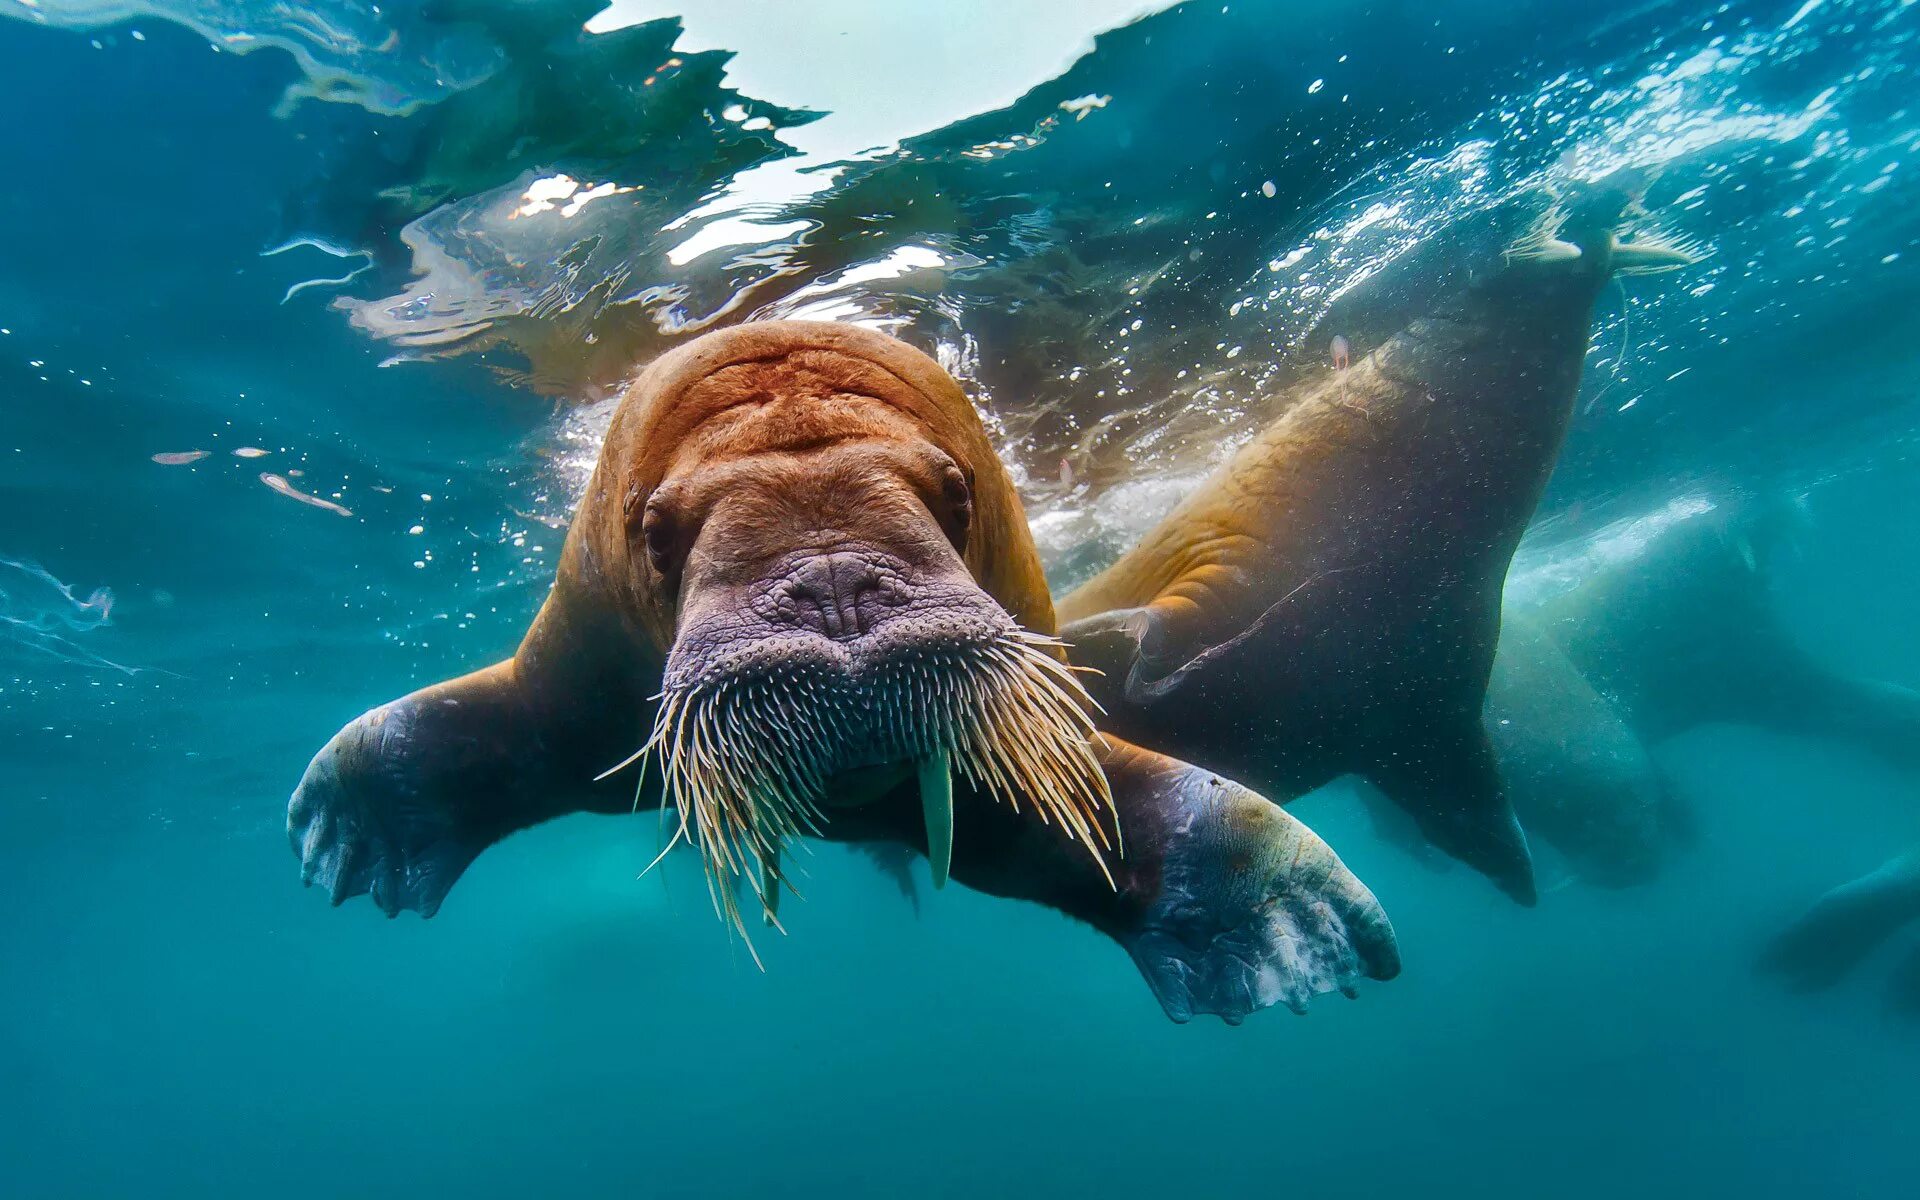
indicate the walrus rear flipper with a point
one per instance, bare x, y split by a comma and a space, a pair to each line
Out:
402, 800
1451, 785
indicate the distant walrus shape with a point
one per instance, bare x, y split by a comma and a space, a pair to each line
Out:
1328, 603
1667, 623
803, 584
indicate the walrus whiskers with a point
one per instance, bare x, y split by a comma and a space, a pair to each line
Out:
749, 761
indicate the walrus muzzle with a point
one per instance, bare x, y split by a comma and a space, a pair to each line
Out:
836, 674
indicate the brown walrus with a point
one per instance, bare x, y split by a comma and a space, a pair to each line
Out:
1329, 601
803, 583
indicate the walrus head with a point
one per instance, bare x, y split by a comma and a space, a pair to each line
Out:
819, 537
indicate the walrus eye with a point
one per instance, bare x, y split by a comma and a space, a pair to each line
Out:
956, 495
660, 529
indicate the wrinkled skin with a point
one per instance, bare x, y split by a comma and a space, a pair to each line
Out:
793, 492
778, 552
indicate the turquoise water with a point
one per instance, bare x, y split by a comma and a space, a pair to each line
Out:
1121, 244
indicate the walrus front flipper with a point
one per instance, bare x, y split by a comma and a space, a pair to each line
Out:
402, 800
1446, 778
1252, 909
1226, 904
1846, 925
1450, 784
1709, 587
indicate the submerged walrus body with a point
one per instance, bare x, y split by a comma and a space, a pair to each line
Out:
1329, 602
1674, 628
1684, 632
802, 585
1579, 776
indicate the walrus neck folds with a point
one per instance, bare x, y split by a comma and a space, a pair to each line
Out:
751, 758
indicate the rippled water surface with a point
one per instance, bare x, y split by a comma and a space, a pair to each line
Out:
311, 320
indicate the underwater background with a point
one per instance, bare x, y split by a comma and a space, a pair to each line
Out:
311, 317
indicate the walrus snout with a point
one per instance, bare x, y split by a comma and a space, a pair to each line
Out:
833, 678
852, 615
838, 595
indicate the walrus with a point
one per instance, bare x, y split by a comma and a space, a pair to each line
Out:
1328, 602
1667, 624
1683, 631
801, 584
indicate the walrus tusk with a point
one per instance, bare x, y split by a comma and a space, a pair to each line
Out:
936, 802
1648, 255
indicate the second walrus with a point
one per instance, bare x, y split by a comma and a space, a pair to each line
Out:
1329, 602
